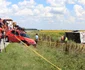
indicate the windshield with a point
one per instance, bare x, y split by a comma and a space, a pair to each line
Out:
24, 35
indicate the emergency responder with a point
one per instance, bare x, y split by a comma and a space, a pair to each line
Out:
36, 38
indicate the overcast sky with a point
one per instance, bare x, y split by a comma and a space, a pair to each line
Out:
45, 14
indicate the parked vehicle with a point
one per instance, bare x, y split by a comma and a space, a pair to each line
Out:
17, 35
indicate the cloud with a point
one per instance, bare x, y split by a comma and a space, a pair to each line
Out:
80, 12
32, 14
15, 7
4, 9
81, 2
78, 9
36, 12
58, 10
29, 4
24, 12
29, 8
71, 1
56, 2
58, 6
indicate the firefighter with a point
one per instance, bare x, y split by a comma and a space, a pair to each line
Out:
62, 39
66, 39
14, 24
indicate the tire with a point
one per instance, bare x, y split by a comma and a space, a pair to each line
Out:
7, 39
25, 42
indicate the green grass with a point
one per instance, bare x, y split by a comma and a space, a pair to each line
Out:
18, 57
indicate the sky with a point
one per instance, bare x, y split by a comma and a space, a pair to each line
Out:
45, 14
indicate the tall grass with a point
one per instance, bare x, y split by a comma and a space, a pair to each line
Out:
69, 56
18, 57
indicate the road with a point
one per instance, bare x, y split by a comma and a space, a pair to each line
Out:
3, 45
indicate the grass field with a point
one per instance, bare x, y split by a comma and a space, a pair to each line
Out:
19, 57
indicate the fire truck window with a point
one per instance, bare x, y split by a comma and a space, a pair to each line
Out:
14, 32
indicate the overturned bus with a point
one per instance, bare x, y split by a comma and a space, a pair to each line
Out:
78, 37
